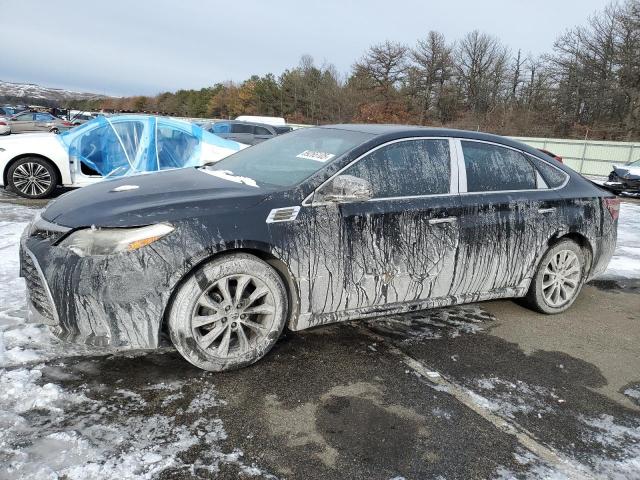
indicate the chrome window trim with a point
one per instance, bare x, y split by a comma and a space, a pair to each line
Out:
308, 201
490, 192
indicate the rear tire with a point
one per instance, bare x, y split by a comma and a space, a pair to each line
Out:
54, 130
558, 280
228, 313
32, 177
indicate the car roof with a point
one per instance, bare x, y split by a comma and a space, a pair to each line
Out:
242, 122
392, 131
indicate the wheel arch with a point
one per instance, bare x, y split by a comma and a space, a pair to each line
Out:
581, 240
293, 294
5, 173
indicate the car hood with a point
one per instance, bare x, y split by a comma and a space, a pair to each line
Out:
29, 137
156, 197
626, 171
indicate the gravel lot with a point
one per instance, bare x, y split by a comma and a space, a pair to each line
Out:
490, 390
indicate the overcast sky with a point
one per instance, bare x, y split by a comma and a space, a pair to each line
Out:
125, 47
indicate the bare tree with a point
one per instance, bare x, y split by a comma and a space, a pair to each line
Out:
431, 69
386, 65
480, 63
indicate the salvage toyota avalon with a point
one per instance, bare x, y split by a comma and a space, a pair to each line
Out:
317, 226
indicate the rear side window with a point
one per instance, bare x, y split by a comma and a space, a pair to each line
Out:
27, 117
44, 117
408, 168
262, 131
491, 168
175, 147
241, 128
553, 177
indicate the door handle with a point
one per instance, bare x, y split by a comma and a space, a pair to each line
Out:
436, 221
546, 210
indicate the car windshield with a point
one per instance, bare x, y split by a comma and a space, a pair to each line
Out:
287, 160
635, 164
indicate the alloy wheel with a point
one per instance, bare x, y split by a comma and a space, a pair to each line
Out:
561, 278
31, 178
233, 315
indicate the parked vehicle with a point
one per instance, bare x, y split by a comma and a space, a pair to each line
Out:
275, 121
5, 129
7, 111
81, 117
320, 225
557, 158
37, 122
33, 165
247, 132
625, 178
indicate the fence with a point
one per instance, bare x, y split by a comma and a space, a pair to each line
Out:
588, 157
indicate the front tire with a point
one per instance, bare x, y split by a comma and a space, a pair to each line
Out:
32, 177
228, 313
559, 278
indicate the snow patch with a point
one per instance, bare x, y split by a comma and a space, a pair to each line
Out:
228, 175
625, 262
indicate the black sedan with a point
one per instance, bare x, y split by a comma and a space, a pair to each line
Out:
317, 226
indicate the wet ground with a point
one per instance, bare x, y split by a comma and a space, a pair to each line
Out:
490, 390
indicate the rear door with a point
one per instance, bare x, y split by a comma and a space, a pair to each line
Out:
43, 122
399, 246
508, 215
261, 134
243, 133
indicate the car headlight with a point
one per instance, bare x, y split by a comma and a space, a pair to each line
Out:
106, 241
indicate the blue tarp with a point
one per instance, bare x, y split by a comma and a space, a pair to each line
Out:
130, 144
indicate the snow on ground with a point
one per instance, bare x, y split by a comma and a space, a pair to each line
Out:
47, 431
617, 439
21, 342
626, 258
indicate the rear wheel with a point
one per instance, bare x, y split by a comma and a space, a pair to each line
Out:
55, 130
228, 313
32, 177
559, 278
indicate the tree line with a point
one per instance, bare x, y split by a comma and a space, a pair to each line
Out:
587, 86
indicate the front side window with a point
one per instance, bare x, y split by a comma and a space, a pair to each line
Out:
491, 168
130, 134
407, 168
241, 128
221, 127
288, 159
99, 151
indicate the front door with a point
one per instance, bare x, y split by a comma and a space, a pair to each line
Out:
396, 248
22, 123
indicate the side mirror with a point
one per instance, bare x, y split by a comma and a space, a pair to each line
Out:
345, 189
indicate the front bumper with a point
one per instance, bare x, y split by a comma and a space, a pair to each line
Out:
623, 184
110, 301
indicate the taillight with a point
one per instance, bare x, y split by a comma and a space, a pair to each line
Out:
559, 158
67, 124
3, 123
613, 205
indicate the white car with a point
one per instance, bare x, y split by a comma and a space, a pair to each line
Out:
33, 165
5, 129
